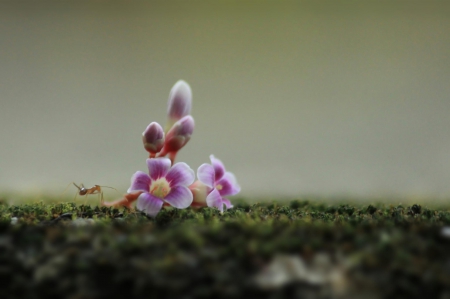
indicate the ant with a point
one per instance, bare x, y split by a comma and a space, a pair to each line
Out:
97, 189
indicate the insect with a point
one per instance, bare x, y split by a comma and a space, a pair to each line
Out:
97, 189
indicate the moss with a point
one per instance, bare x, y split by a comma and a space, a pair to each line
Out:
65, 250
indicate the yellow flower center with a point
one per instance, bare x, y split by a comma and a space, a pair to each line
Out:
160, 188
219, 187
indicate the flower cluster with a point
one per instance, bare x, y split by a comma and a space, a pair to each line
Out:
169, 183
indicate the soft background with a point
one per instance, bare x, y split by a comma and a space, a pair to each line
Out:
325, 98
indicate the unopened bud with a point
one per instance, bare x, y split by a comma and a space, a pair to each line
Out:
153, 138
199, 193
180, 102
178, 135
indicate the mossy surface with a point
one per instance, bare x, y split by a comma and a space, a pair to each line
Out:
269, 250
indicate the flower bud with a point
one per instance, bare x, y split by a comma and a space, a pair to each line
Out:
180, 102
178, 136
199, 193
153, 138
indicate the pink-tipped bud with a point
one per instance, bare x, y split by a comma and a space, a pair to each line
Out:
178, 136
180, 102
153, 138
199, 192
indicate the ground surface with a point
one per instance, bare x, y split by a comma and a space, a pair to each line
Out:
292, 250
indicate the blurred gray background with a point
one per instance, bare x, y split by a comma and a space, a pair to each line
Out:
323, 98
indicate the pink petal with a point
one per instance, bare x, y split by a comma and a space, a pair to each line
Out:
227, 203
180, 175
158, 167
149, 204
229, 185
205, 174
140, 181
219, 168
179, 197
215, 200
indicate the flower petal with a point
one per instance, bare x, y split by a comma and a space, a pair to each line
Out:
215, 200
205, 174
140, 181
229, 185
158, 167
180, 175
179, 197
227, 203
219, 168
149, 204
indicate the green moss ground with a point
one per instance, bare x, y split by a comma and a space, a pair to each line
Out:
298, 249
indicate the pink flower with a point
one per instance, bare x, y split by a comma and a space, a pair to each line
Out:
214, 182
164, 183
